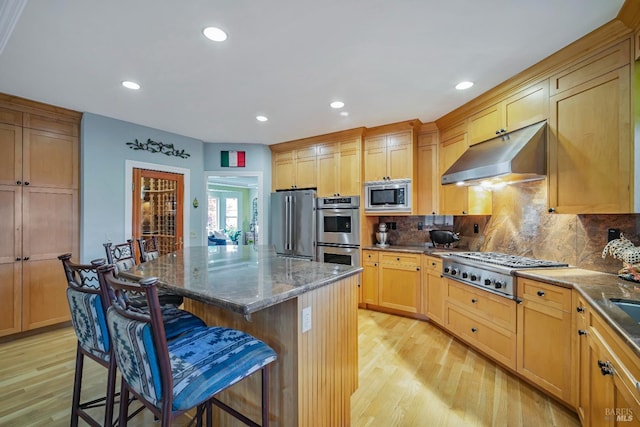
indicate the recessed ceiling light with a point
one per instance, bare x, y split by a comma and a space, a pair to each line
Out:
464, 85
130, 85
215, 34
337, 104
261, 118
344, 113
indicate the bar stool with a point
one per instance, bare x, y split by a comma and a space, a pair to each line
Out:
172, 376
88, 317
123, 256
148, 248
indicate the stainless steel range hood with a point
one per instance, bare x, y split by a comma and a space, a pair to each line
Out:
513, 157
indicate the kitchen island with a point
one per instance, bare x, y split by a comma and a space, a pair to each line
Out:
306, 311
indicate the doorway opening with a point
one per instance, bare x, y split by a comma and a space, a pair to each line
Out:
234, 208
158, 202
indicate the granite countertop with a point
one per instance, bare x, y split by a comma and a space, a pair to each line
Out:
597, 288
426, 249
244, 279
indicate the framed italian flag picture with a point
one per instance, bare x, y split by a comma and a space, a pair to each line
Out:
232, 159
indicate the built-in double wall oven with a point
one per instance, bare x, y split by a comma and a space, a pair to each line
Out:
338, 227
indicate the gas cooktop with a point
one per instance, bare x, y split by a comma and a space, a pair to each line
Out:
510, 261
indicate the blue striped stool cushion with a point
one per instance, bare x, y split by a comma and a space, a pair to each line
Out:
177, 321
204, 360
207, 360
89, 323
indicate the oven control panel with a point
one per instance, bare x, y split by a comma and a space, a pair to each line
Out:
492, 281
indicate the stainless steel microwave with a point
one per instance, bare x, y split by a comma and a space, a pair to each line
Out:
388, 196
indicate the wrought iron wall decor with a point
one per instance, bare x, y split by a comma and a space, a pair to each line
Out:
158, 147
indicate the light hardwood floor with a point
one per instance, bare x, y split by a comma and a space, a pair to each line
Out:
411, 374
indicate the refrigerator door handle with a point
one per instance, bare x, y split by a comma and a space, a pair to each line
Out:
287, 223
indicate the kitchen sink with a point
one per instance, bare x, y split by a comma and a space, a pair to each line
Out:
631, 307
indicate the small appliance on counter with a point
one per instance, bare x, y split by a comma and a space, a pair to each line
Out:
381, 235
444, 238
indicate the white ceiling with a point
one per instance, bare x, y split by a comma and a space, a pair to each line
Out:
287, 59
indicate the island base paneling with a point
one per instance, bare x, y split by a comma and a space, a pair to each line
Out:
316, 371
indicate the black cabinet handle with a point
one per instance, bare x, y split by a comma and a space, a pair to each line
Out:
18, 182
540, 293
580, 309
464, 212
474, 301
552, 210
474, 330
417, 268
582, 332
25, 258
398, 259
18, 259
26, 183
433, 264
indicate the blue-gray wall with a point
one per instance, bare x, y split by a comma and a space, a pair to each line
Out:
102, 171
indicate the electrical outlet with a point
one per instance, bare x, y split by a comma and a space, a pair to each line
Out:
476, 229
613, 234
306, 319
419, 226
393, 225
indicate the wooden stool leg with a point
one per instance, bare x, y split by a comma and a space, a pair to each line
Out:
265, 396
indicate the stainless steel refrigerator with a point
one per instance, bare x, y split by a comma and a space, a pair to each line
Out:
293, 223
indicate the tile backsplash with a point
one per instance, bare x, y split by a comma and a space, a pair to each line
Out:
521, 225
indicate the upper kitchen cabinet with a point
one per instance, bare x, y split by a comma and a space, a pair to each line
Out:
339, 168
295, 168
521, 109
590, 145
389, 151
427, 170
454, 199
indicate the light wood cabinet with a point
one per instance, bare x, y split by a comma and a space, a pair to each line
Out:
427, 174
39, 206
590, 145
521, 109
338, 171
483, 320
399, 281
609, 394
582, 365
295, 168
454, 199
392, 280
545, 352
370, 277
389, 156
434, 289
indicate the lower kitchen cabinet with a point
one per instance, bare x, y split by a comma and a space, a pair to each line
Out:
370, 277
434, 289
609, 379
544, 337
399, 281
483, 320
391, 280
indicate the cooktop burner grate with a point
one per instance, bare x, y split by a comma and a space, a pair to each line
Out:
510, 261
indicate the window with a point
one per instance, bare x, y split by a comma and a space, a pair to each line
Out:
213, 215
231, 213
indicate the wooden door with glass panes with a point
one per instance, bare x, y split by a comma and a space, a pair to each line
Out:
157, 208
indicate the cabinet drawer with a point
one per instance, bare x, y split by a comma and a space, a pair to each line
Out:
370, 256
498, 343
400, 258
608, 60
498, 310
432, 264
544, 293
